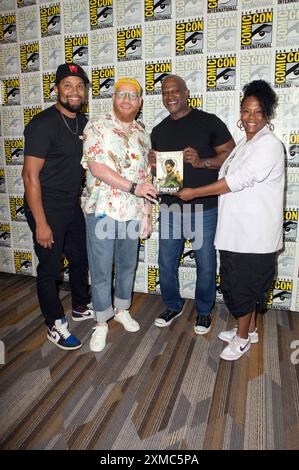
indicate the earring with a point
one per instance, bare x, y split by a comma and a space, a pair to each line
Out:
270, 125
240, 125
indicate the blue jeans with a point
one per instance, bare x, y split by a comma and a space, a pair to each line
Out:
108, 244
170, 250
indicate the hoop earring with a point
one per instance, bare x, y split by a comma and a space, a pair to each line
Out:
270, 125
240, 125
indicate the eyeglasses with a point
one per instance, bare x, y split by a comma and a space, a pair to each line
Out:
127, 94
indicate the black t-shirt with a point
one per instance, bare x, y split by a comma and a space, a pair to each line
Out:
48, 137
201, 131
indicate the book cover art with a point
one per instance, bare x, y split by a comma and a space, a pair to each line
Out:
169, 172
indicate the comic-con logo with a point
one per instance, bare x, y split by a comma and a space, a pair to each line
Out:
287, 26
5, 235
157, 9
153, 281
189, 37
29, 53
50, 20
195, 101
29, 112
23, 261
187, 257
221, 73
65, 268
286, 69
25, 3
154, 75
48, 87
2, 180
293, 150
214, 6
256, 30
85, 109
141, 253
102, 82
219, 295
129, 44
14, 151
280, 294
11, 91
76, 49
8, 30
100, 14
290, 225
17, 212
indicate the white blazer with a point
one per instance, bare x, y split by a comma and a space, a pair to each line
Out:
250, 217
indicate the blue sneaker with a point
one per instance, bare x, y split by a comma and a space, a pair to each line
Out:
61, 337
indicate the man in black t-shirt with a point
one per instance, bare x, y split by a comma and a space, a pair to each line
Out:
52, 176
206, 143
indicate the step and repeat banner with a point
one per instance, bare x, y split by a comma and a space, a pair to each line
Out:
217, 46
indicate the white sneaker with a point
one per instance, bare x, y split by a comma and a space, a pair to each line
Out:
98, 338
235, 349
228, 335
127, 321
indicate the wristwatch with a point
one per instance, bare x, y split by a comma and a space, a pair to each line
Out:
207, 163
132, 188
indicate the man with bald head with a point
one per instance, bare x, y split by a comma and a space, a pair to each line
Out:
206, 143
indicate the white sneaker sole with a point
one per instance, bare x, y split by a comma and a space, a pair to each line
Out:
132, 329
236, 357
83, 318
202, 332
73, 348
98, 349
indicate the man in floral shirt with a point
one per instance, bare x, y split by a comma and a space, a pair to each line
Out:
117, 205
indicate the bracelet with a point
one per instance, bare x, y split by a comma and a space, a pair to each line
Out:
132, 188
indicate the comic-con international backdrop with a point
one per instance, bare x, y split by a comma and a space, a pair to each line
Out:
215, 45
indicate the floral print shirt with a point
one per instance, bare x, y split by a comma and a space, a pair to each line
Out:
106, 142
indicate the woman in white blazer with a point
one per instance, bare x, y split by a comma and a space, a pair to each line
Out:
250, 216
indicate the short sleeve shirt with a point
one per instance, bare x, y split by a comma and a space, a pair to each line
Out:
48, 137
127, 154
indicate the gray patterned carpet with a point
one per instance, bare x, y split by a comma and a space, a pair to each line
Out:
155, 389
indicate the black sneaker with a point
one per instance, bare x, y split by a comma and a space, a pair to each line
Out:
167, 317
203, 324
82, 312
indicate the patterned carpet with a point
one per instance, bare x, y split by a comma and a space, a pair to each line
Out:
152, 390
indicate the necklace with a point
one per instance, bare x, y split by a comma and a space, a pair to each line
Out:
65, 122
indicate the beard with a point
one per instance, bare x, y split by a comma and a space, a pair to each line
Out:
124, 117
68, 106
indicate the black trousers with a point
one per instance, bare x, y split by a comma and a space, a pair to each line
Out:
245, 280
69, 233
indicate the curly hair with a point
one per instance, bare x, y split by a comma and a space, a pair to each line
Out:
169, 162
265, 95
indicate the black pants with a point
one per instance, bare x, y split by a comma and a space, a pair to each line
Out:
245, 280
69, 233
